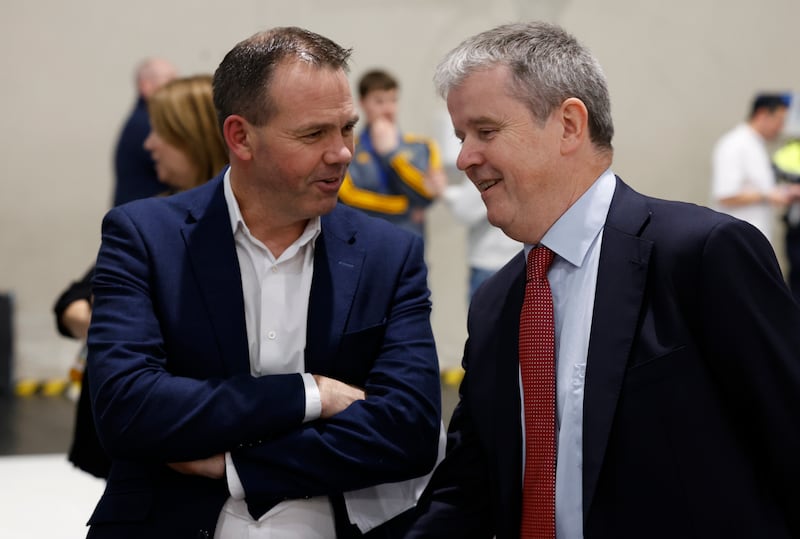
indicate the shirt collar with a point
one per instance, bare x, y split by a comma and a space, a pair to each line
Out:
750, 129
571, 236
312, 230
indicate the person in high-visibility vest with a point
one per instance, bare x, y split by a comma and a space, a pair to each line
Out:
786, 161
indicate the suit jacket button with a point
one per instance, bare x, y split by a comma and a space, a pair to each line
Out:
202, 534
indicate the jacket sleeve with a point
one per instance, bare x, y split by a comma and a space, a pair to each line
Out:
409, 165
752, 342
457, 501
405, 169
144, 410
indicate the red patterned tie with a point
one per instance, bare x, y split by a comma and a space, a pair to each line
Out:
537, 364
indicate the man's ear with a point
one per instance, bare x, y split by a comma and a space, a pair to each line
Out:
575, 122
236, 132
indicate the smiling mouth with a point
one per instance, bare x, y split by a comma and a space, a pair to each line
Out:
486, 184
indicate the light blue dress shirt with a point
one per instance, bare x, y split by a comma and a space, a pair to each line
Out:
575, 239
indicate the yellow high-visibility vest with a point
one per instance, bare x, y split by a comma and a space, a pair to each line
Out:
787, 158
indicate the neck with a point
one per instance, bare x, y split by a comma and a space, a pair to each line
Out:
758, 127
574, 182
276, 236
276, 230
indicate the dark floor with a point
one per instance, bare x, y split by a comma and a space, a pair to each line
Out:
40, 425
35, 424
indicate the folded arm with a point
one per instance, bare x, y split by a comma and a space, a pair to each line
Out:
143, 409
392, 434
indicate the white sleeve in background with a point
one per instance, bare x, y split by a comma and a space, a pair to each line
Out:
740, 163
728, 169
465, 201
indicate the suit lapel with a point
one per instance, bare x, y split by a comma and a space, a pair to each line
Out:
621, 280
212, 252
506, 391
337, 267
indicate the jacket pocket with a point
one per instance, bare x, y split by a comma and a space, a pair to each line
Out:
357, 352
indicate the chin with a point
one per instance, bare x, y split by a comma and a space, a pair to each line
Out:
326, 207
494, 219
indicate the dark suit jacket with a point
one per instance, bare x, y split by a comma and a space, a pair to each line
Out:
692, 396
85, 451
170, 375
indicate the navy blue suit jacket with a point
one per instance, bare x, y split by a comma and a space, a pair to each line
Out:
170, 372
692, 396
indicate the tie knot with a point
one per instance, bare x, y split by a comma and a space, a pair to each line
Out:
539, 260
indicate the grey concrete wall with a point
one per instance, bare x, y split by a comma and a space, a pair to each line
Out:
680, 74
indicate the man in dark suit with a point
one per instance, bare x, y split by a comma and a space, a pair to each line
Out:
261, 359
668, 353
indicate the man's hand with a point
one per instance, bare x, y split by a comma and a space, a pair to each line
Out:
384, 135
76, 318
793, 192
336, 395
212, 467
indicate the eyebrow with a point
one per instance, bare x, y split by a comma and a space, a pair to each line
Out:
326, 125
481, 120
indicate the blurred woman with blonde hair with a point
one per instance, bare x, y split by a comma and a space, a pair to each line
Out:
185, 140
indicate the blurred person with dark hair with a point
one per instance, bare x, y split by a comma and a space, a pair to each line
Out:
394, 175
134, 171
188, 150
743, 182
261, 360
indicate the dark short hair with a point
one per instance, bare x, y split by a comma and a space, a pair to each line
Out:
374, 80
241, 82
770, 103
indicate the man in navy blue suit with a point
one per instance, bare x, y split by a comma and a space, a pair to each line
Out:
261, 359
670, 385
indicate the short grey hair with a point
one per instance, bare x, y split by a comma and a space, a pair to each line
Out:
548, 66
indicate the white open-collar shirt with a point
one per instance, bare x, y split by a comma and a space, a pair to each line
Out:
276, 293
276, 297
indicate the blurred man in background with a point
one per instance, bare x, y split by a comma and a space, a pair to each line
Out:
393, 175
134, 171
743, 180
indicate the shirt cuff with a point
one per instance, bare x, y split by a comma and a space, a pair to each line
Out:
235, 486
313, 399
